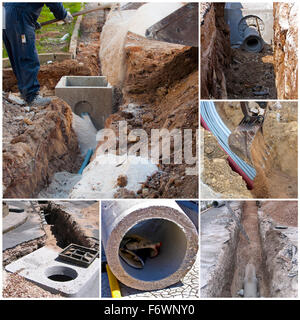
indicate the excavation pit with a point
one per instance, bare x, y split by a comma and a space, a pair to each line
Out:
44, 268
160, 222
90, 94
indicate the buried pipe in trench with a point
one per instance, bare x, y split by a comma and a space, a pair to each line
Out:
218, 204
252, 41
156, 220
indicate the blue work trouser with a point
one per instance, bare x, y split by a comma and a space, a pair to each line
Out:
19, 40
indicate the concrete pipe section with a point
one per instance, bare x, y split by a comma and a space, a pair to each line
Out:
218, 204
251, 24
252, 41
160, 221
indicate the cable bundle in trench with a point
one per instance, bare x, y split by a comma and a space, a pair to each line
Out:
211, 121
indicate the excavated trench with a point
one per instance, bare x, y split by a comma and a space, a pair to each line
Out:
60, 231
255, 257
251, 51
249, 253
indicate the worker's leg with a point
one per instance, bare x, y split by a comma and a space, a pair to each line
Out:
9, 51
20, 34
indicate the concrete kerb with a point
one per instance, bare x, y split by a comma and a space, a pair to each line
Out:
157, 220
74, 38
44, 58
13, 220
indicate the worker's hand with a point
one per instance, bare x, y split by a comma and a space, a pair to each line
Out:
69, 18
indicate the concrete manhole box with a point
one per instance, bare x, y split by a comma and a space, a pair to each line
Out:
44, 268
91, 94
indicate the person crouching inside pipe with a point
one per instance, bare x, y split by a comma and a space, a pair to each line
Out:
135, 250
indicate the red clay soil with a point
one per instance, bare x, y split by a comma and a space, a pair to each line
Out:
162, 80
283, 212
35, 146
49, 75
249, 252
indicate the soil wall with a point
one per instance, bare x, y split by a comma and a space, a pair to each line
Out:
215, 50
35, 146
286, 49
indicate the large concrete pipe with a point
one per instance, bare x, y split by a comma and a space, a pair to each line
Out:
252, 41
250, 282
159, 221
251, 24
218, 204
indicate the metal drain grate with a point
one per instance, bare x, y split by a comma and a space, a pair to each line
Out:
78, 255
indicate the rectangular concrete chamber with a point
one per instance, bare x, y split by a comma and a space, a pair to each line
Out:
44, 268
91, 94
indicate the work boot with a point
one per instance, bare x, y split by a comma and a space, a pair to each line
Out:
39, 101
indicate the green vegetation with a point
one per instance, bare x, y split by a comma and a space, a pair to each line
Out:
48, 37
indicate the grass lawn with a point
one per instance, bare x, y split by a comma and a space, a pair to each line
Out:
48, 37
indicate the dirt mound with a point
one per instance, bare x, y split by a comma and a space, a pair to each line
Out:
36, 144
217, 173
283, 212
161, 85
49, 75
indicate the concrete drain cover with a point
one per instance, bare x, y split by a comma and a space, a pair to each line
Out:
44, 268
79, 255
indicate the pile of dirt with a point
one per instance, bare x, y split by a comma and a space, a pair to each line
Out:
283, 212
160, 84
286, 49
217, 173
49, 75
251, 75
215, 50
36, 144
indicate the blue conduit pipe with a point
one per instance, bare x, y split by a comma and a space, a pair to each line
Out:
86, 160
211, 120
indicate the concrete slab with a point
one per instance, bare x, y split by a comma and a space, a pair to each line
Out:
13, 220
43, 264
44, 58
91, 94
28, 231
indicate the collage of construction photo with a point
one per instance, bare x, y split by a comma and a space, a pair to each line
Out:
149, 151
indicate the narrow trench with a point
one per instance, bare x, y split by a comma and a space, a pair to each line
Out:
61, 230
249, 253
